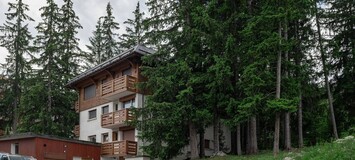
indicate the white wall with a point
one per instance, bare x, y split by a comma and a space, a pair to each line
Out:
93, 126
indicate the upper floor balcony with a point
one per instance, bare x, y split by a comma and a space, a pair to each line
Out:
77, 130
118, 87
119, 148
116, 119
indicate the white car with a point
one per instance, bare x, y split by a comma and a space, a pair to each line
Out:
12, 157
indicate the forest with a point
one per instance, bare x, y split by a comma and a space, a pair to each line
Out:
279, 73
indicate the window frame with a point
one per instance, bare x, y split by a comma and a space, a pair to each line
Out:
92, 118
103, 109
132, 103
88, 96
91, 138
104, 137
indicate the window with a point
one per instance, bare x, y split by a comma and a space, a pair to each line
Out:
89, 92
104, 137
15, 148
128, 104
92, 138
114, 135
116, 107
104, 109
92, 114
127, 71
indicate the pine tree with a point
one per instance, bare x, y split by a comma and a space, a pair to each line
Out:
103, 43
96, 46
16, 39
134, 31
53, 114
70, 43
325, 72
109, 37
340, 21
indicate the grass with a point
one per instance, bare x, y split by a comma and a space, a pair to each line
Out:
343, 149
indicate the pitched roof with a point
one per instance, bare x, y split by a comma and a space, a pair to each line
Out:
108, 63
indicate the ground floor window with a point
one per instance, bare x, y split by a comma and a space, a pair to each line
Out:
92, 138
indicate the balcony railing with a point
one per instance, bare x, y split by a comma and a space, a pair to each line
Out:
119, 85
116, 119
77, 130
119, 148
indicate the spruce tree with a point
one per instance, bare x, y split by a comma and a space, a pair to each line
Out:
134, 31
70, 43
104, 44
96, 47
16, 39
109, 36
53, 114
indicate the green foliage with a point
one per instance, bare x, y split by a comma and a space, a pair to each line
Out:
282, 104
103, 43
135, 31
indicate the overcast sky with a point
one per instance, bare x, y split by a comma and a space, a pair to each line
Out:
88, 12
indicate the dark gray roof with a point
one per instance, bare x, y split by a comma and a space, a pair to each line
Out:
34, 135
104, 65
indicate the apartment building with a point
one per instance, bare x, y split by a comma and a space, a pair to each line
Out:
107, 93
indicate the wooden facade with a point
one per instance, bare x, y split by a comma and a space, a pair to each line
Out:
109, 84
47, 147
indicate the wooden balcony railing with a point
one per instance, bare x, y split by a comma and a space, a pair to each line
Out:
77, 130
119, 148
118, 85
76, 106
117, 118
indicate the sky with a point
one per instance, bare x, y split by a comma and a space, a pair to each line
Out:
88, 12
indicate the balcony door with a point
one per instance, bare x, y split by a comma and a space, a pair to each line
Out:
129, 135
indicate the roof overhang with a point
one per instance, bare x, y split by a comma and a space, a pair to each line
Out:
139, 49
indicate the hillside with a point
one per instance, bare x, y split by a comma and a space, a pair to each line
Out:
342, 149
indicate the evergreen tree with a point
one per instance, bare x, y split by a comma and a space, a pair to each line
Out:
109, 37
53, 114
96, 46
340, 21
70, 43
103, 43
16, 39
134, 31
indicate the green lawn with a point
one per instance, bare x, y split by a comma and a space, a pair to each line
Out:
343, 149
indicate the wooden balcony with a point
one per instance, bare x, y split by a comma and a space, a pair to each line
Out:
116, 119
76, 106
119, 148
77, 130
118, 87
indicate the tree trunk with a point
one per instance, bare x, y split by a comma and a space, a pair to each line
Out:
253, 136
287, 114
278, 93
325, 72
248, 138
239, 144
300, 123
216, 133
193, 141
202, 144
